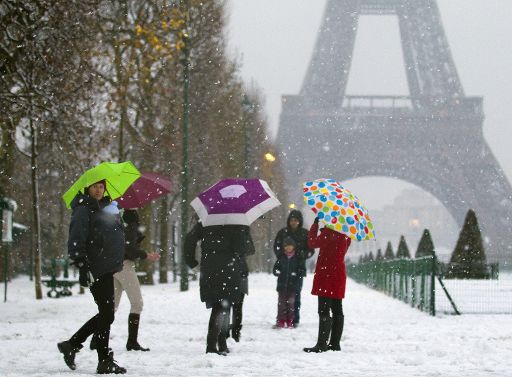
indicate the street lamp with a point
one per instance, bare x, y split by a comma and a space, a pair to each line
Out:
270, 158
7, 207
184, 175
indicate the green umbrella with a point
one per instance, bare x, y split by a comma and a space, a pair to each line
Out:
118, 176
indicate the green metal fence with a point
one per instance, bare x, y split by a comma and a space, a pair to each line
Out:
409, 280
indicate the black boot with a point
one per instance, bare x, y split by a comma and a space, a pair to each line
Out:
93, 345
108, 366
211, 340
223, 345
69, 351
215, 326
236, 325
235, 333
224, 330
133, 330
336, 332
324, 329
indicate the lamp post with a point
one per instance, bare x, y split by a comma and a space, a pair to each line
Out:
184, 175
270, 158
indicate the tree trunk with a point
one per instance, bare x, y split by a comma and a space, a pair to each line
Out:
146, 265
35, 210
164, 240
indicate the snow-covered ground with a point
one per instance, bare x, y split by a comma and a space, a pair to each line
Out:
383, 337
477, 296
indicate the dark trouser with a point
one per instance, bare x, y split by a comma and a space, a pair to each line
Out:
218, 326
103, 293
296, 318
286, 306
237, 313
328, 305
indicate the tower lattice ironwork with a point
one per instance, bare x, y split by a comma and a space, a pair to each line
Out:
432, 138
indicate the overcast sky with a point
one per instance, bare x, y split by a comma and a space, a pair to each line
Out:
275, 39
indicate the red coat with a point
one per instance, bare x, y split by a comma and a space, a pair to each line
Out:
330, 273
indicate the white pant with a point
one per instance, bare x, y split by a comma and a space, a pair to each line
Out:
126, 280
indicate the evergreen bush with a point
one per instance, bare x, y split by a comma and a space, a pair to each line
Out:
403, 250
426, 245
388, 254
468, 260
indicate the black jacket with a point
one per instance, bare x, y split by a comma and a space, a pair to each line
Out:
223, 252
96, 236
300, 236
133, 238
288, 272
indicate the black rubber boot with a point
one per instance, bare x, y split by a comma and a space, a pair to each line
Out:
215, 326
324, 329
69, 351
235, 333
223, 345
336, 332
211, 340
133, 331
224, 330
236, 325
108, 366
93, 344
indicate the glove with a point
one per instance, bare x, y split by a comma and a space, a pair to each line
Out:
79, 262
84, 275
316, 220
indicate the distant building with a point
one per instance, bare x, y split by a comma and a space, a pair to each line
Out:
411, 212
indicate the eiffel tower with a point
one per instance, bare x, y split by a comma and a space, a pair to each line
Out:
432, 138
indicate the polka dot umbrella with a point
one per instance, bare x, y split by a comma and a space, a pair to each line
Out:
339, 209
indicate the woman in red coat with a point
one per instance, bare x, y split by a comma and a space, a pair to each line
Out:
329, 285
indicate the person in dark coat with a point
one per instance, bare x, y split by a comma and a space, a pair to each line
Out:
294, 229
127, 280
288, 271
96, 247
220, 282
329, 285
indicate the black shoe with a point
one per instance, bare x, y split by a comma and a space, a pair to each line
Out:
215, 350
295, 324
135, 346
69, 351
334, 347
109, 366
316, 349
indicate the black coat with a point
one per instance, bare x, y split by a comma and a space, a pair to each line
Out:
223, 252
96, 236
300, 236
288, 272
133, 238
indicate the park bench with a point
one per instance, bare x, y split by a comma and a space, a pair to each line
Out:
59, 286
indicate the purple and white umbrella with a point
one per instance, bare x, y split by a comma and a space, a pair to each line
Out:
235, 201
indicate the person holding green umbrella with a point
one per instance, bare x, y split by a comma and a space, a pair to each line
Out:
96, 246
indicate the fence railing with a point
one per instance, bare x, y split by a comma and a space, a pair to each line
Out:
409, 280
414, 281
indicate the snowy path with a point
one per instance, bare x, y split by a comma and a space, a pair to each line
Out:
382, 337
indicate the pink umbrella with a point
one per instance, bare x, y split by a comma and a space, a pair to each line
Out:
144, 190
